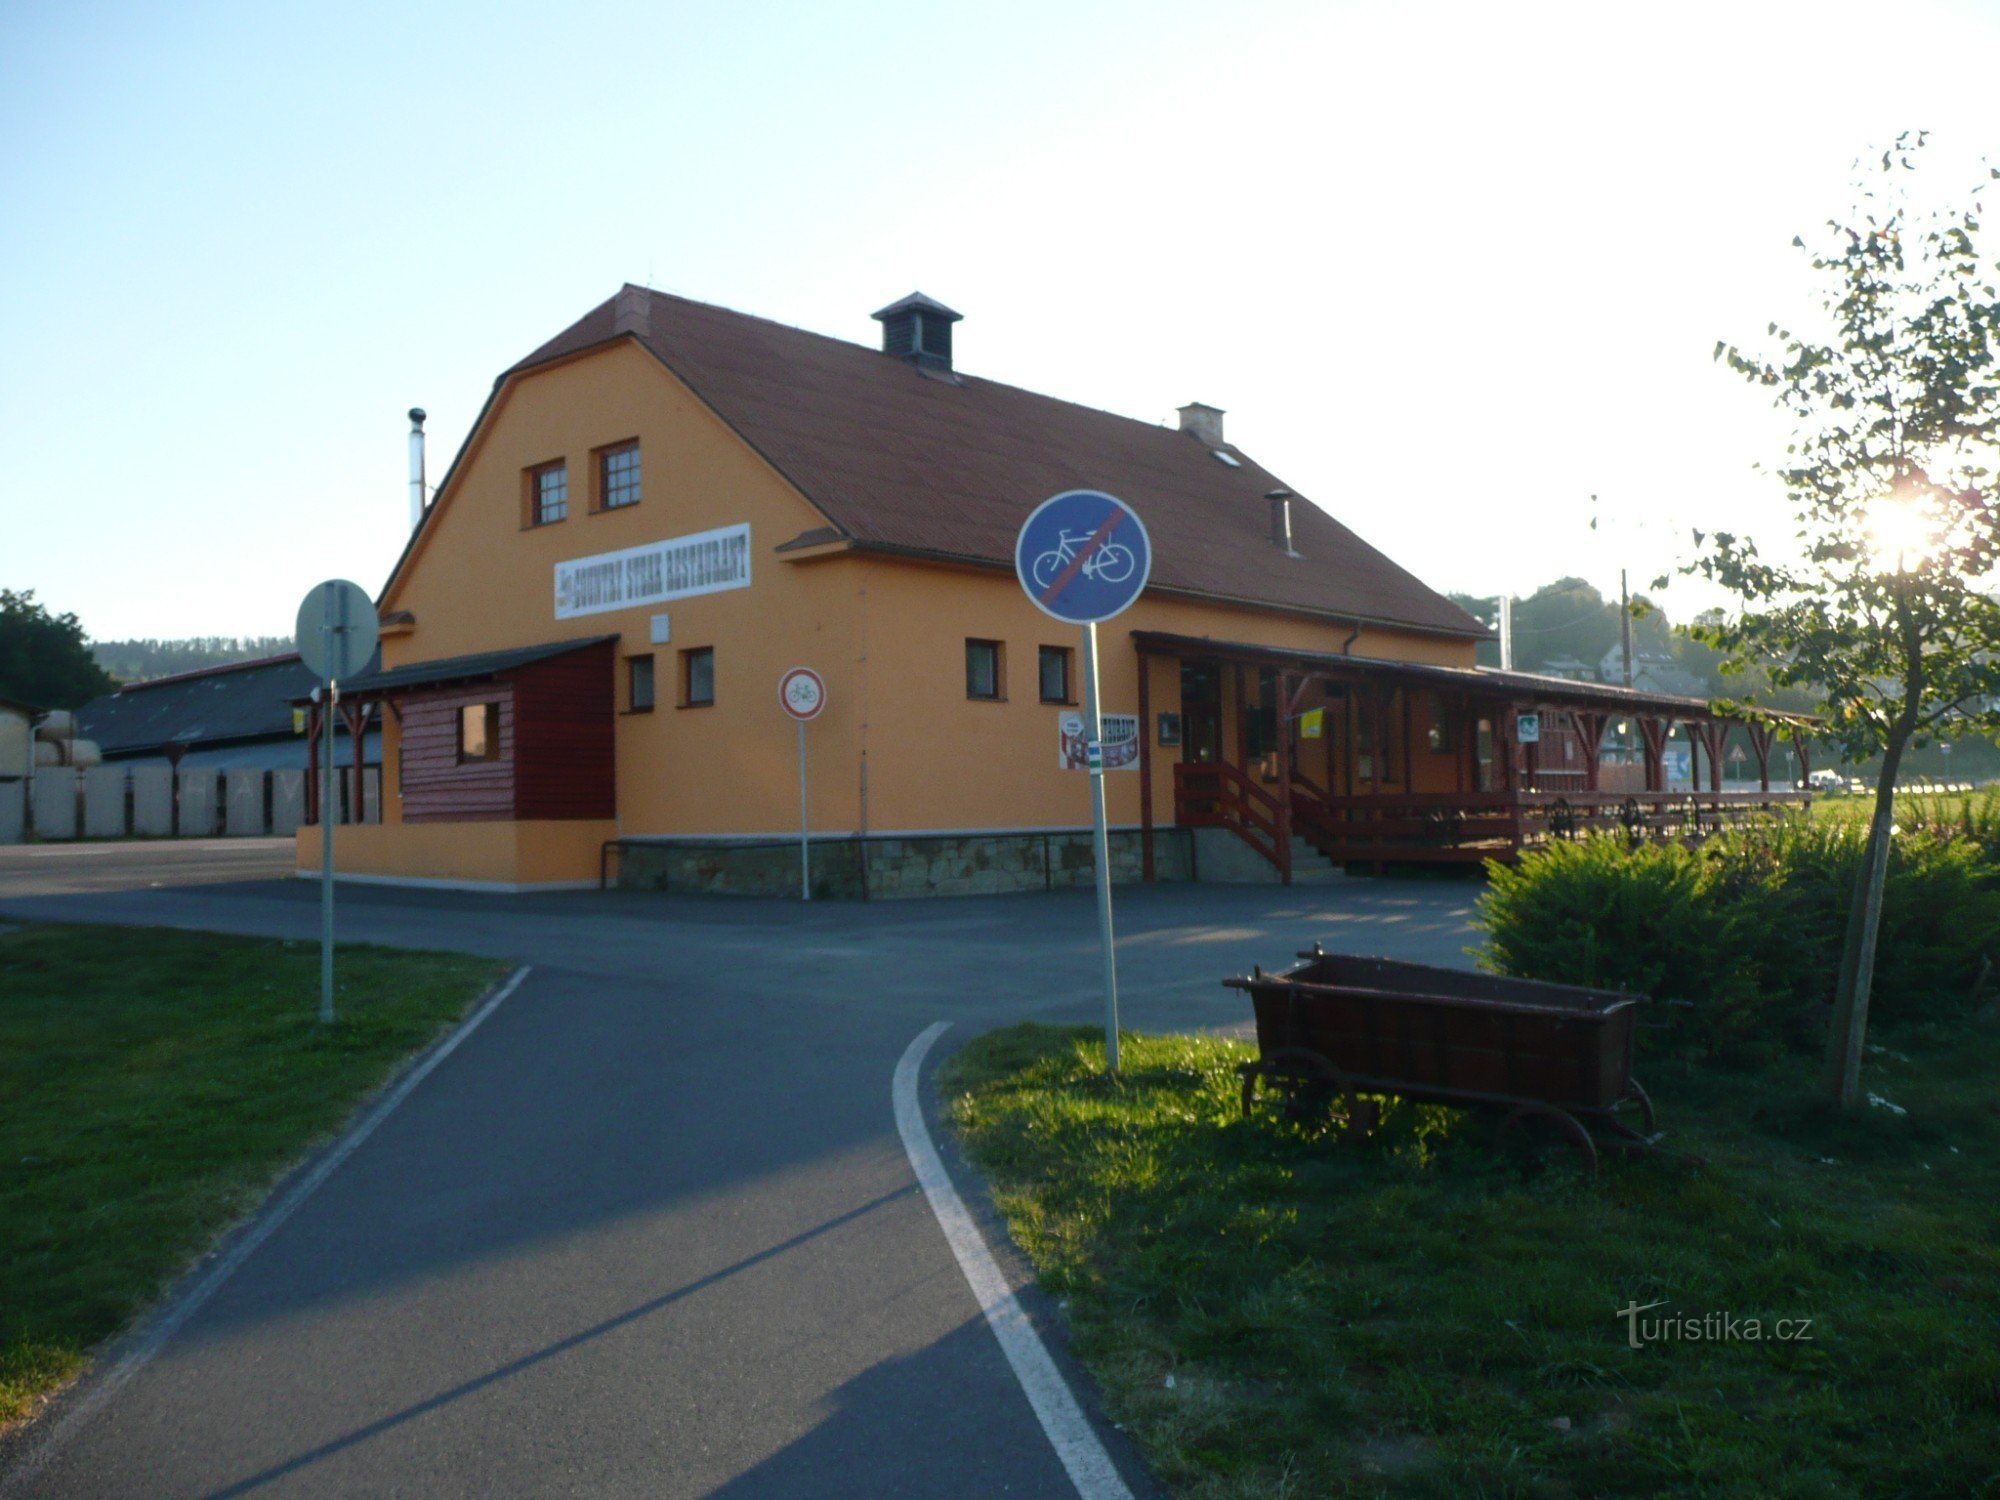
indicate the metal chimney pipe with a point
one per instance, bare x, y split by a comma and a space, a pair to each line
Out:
1506, 632
416, 467
1281, 519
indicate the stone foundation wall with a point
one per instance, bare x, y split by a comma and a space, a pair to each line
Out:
897, 867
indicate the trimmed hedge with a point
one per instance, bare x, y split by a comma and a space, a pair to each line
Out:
1747, 928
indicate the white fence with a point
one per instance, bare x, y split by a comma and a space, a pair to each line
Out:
151, 801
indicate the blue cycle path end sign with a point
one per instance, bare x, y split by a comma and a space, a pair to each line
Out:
1083, 556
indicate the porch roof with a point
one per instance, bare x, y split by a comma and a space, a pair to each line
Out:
1530, 687
474, 668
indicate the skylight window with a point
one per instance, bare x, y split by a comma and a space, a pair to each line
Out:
1230, 459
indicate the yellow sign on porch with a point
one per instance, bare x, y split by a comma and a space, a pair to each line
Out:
1312, 723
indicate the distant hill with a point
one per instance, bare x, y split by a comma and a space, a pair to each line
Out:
142, 660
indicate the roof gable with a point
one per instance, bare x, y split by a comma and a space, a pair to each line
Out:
897, 458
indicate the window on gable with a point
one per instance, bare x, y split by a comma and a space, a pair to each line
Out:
982, 669
639, 683
1054, 674
698, 677
618, 476
548, 493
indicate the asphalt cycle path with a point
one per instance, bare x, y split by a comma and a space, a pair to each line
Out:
650, 1228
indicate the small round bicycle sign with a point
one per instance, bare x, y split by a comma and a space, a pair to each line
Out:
1083, 556
803, 693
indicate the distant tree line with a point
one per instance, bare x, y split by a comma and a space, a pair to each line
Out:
141, 660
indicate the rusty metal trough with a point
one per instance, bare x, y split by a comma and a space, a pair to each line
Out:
1551, 1056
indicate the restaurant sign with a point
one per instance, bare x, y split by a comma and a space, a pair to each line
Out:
1121, 742
678, 568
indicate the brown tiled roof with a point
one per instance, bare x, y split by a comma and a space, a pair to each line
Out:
951, 465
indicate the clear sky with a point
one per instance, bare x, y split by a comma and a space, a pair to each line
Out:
1450, 268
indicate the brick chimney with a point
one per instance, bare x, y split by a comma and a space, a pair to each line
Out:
1204, 421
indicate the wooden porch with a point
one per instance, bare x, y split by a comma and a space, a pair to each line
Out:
1372, 762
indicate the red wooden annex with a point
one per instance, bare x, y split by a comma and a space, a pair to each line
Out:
515, 735
1369, 761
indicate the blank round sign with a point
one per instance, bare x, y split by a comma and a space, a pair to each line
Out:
336, 654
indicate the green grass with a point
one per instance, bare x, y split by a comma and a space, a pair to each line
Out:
1273, 1311
153, 1086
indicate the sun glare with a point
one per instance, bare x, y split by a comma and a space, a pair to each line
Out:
1900, 535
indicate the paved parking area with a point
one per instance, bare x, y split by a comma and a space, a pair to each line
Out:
651, 1230
138, 864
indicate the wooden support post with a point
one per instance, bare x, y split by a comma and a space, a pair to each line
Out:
1348, 748
1409, 740
1590, 729
1655, 732
1146, 872
356, 719
1284, 749
1761, 736
1242, 722
312, 762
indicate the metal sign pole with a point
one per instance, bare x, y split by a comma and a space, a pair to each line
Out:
336, 634
1093, 729
328, 816
805, 835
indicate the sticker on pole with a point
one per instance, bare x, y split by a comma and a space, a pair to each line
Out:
1083, 556
803, 693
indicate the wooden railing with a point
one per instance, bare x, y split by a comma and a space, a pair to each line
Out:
1217, 795
1446, 827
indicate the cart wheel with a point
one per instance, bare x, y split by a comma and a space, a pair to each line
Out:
1645, 1103
1310, 1081
1250, 1072
1531, 1128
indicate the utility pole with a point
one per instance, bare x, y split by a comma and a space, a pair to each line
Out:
1625, 624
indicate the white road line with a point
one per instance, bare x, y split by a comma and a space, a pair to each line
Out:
171, 1319
1089, 1466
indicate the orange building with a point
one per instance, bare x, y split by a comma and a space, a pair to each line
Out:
668, 505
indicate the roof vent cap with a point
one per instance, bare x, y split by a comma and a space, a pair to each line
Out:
1281, 520
918, 329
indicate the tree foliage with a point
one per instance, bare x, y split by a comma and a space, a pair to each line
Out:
1886, 608
44, 659
1886, 605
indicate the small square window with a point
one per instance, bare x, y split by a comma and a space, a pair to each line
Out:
548, 493
1055, 675
982, 669
478, 732
639, 684
698, 677
618, 476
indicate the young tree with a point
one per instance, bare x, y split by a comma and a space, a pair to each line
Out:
43, 657
1886, 607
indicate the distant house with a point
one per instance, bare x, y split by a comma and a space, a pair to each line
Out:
238, 715
1567, 667
1652, 672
